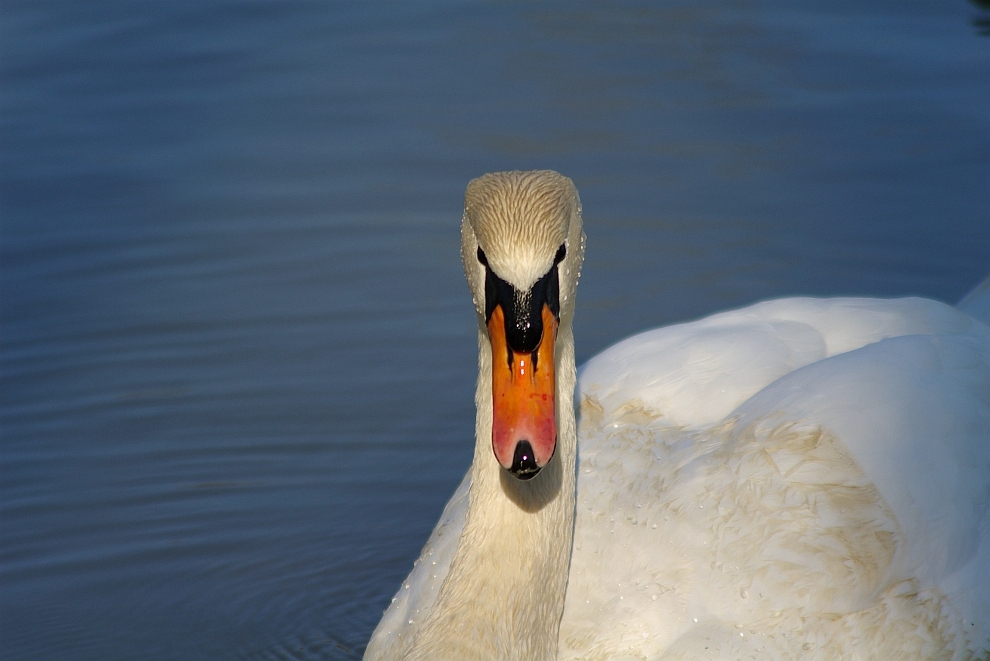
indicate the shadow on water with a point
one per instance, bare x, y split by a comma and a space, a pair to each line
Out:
982, 21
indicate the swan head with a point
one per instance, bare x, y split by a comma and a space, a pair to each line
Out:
522, 247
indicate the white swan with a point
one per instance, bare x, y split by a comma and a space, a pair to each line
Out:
800, 479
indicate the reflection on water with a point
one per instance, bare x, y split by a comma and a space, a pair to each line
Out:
982, 21
237, 352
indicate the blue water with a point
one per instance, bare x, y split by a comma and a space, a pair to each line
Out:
237, 353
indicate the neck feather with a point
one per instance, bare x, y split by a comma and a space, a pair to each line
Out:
504, 595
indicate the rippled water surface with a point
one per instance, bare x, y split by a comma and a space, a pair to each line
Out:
237, 352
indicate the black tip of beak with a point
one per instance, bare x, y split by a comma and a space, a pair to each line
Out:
524, 462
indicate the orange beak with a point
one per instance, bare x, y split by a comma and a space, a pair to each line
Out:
524, 397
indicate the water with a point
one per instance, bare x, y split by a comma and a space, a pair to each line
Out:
237, 351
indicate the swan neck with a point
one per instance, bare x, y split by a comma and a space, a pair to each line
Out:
504, 595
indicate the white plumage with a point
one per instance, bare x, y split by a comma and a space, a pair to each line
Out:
794, 477
798, 479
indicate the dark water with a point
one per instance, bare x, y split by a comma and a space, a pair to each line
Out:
237, 350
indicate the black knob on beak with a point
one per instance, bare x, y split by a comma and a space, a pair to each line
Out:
524, 462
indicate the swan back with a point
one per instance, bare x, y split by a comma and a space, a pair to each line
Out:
977, 302
800, 475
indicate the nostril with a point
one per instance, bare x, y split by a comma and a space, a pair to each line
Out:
524, 462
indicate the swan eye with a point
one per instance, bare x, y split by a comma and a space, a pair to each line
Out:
481, 257
561, 253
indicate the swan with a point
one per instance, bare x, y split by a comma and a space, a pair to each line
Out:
799, 479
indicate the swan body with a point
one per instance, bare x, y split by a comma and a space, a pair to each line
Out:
801, 478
